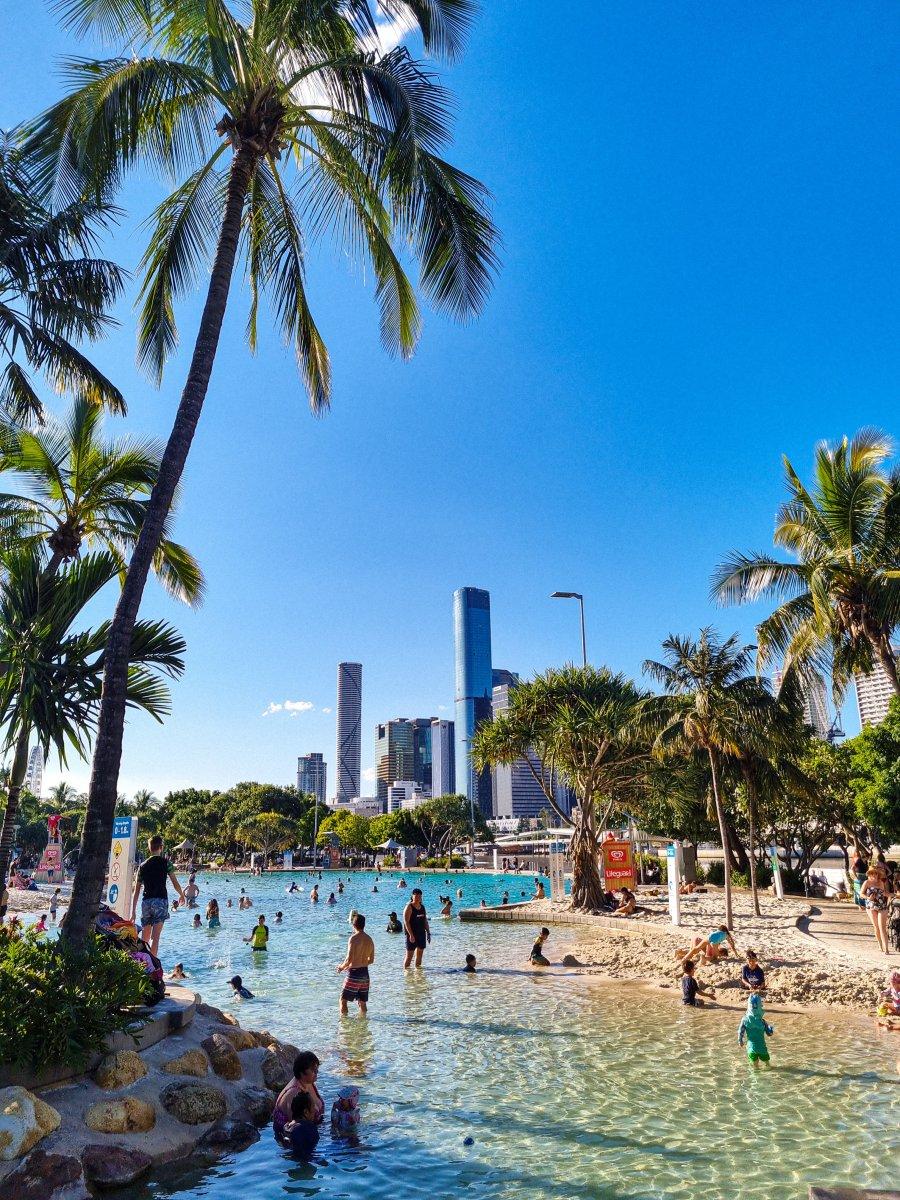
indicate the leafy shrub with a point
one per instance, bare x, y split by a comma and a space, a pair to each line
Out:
763, 877
58, 1005
715, 873
455, 861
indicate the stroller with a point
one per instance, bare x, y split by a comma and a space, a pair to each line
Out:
114, 930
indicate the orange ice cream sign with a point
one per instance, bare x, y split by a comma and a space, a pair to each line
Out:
618, 865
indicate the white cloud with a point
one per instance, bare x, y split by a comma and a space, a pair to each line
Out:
327, 710
293, 707
369, 774
443, 707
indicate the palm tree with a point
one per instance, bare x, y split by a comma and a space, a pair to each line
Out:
52, 683
61, 796
279, 127
84, 490
575, 725
52, 292
842, 595
708, 709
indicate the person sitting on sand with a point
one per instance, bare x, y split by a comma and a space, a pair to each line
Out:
688, 889
711, 948
393, 925
627, 905
537, 950
539, 893
471, 964
302, 1132
753, 977
890, 997
692, 989
306, 1071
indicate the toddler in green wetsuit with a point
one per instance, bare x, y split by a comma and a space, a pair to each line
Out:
259, 938
754, 1027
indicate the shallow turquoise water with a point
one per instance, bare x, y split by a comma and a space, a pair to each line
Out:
569, 1088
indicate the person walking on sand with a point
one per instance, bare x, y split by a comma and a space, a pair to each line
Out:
418, 931
360, 956
151, 877
875, 894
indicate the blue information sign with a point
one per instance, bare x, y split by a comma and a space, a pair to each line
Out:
122, 827
113, 893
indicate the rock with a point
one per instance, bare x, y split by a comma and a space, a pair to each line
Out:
223, 1056
192, 1062
194, 1103
262, 1036
119, 1070
275, 1074
259, 1103
209, 1010
114, 1166
233, 1133
571, 961
240, 1039
127, 1115
24, 1120
42, 1176
228, 1018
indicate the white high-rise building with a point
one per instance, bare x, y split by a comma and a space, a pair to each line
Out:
517, 793
815, 703
874, 693
34, 776
405, 793
349, 730
443, 758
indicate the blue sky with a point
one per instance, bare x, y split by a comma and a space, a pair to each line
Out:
698, 208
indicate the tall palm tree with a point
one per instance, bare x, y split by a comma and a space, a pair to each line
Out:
52, 682
708, 709
281, 120
575, 725
83, 490
842, 595
53, 292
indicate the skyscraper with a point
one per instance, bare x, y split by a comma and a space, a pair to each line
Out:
403, 753
516, 791
472, 638
312, 775
443, 766
874, 693
34, 775
815, 702
349, 729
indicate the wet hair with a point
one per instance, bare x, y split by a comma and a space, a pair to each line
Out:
393, 916
545, 931
416, 892
155, 843
301, 1106
235, 980
470, 958
304, 1060
359, 922
688, 967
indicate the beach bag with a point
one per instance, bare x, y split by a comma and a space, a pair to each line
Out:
114, 930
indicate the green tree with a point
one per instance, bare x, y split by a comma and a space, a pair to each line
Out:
75, 489
579, 723
52, 683
707, 710
352, 830
446, 821
53, 292
229, 105
842, 595
874, 762
268, 832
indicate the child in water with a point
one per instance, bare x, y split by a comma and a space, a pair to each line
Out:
393, 925
470, 964
212, 915
345, 1114
195, 924
259, 938
754, 1027
240, 992
890, 997
302, 1133
537, 950
692, 989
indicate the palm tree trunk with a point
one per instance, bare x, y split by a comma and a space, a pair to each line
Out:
587, 891
887, 660
751, 819
16, 779
97, 836
723, 834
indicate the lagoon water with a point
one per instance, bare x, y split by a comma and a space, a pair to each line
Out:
569, 1088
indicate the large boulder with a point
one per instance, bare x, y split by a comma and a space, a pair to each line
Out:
241, 1039
24, 1120
258, 1102
114, 1166
274, 1072
192, 1062
222, 1056
210, 1010
45, 1176
119, 1070
194, 1103
230, 1134
126, 1115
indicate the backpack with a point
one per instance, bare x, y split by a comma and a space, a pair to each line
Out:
116, 932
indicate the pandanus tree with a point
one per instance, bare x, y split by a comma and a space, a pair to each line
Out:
78, 489
573, 726
841, 597
51, 682
54, 292
707, 710
281, 121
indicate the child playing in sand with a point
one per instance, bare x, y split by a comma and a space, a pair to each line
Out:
754, 1028
890, 998
692, 989
302, 1132
537, 950
753, 977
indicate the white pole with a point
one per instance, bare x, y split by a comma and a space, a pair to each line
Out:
673, 872
496, 867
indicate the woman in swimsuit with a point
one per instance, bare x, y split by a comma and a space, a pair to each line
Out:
710, 948
306, 1071
876, 892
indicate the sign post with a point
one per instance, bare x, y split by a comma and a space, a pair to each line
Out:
288, 863
120, 875
618, 864
673, 875
776, 873
496, 867
557, 873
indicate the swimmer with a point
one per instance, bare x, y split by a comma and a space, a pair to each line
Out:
340, 888
177, 972
240, 992
314, 894
459, 893
212, 914
402, 883
301, 1132
471, 964
393, 925
228, 903
374, 887
259, 936
483, 902
279, 917
195, 924
332, 899
539, 893
447, 907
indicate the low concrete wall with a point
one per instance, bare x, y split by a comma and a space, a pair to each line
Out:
174, 1012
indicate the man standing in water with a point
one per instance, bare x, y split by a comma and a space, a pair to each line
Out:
360, 956
152, 876
416, 927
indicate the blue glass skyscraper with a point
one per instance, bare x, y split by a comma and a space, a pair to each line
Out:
472, 638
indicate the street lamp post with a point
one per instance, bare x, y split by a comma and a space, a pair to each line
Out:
575, 596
